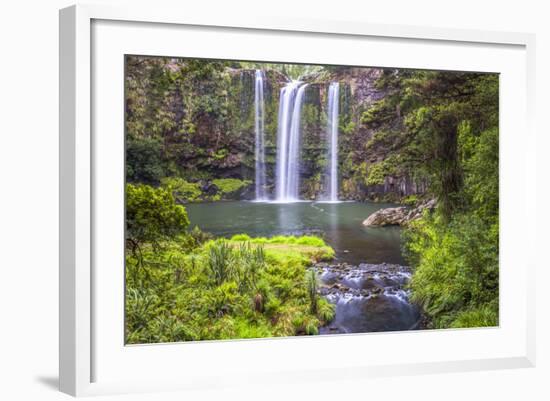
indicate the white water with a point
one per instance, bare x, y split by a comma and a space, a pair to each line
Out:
260, 136
287, 177
331, 193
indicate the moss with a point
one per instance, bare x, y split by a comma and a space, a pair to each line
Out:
410, 200
376, 174
284, 247
229, 186
185, 191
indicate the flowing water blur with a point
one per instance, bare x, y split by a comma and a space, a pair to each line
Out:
289, 141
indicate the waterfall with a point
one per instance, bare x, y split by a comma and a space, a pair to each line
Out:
259, 116
331, 193
288, 142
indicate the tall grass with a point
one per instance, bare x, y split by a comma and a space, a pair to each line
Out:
312, 288
220, 262
251, 260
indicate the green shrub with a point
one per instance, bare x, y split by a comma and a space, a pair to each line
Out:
143, 160
220, 261
483, 316
456, 268
182, 190
152, 215
325, 310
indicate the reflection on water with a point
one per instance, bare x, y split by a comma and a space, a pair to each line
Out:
338, 223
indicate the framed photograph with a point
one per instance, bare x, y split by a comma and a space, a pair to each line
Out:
279, 199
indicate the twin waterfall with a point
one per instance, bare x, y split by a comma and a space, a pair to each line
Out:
287, 169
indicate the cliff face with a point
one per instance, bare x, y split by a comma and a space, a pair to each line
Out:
196, 120
366, 140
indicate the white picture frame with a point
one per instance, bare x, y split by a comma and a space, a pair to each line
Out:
84, 61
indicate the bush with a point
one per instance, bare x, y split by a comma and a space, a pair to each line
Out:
152, 215
456, 268
143, 160
220, 262
325, 310
484, 316
182, 190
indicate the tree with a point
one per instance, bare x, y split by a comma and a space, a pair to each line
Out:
143, 160
152, 216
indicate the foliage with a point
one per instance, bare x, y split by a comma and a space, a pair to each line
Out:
220, 189
456, 269
182, 190
152, 215
228, 186
237, 288
484, 316
456, 259
312, 289
220, 262
143, 161
293, 71
410, 200
377, 172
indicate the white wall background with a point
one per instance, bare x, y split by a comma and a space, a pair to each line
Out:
29, 200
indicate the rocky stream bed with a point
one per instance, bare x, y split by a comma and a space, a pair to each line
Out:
368, 298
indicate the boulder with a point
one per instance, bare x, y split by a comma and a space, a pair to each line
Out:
402, 215
387, 217
209, 188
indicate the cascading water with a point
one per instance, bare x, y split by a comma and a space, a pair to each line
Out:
331, 193
288, 142
260, 136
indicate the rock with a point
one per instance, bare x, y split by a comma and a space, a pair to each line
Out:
387, 217
209, 188
398, 215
